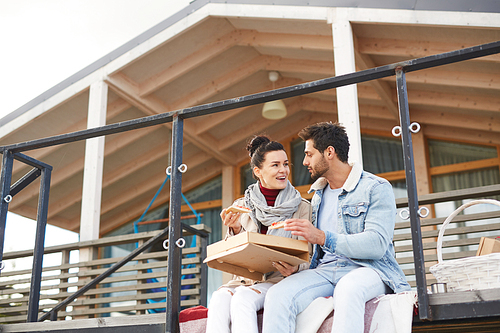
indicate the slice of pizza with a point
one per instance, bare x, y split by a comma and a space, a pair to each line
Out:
277, 225
238, 209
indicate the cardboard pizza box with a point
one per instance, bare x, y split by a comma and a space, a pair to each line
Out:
488, 246
251, 255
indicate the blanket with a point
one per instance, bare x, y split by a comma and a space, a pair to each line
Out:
387, 313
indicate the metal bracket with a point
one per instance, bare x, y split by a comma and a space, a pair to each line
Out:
181, 242
182, 168
414, 128
8, 198
422, 212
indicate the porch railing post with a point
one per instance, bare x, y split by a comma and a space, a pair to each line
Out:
36, 273
5, 179
175, 231
411, 187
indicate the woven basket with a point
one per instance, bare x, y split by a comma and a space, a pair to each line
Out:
471, 273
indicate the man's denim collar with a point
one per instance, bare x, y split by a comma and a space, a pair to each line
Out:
350, 183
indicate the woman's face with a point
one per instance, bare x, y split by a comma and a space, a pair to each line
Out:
275, 170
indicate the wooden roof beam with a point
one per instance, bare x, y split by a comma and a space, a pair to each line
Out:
114, 109
128, 90
149, 185
213, 120
290, 41
192, 61
274, 63
221, 83
292, 105
413, 48
382, 88
120, 174
431, 98
456, 101
60, 175
453, 79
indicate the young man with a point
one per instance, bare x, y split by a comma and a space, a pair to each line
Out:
352, 228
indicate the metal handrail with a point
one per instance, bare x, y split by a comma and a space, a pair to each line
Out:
52, 314
177, 118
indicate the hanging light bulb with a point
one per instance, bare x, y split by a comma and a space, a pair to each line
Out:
275, 109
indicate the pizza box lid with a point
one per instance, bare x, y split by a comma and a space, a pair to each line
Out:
282, 244
251, 254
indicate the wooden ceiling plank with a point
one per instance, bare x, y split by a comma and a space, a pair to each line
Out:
293, 106
114, 109
61, 175
128, 91
193, 60
453, 79
220, 84
413, 48
460, 134
117, 175
146, 186
433, 98
382, 88
318, 105
457, 120
326, 68
290, 41
456, 101
216, 119
134, 210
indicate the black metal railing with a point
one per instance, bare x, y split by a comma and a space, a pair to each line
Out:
177, 118
52, 314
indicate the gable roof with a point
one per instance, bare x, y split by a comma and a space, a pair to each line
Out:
214, 50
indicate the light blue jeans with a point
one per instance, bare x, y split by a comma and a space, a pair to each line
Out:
350, 285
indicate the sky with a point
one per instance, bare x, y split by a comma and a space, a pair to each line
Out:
44, 42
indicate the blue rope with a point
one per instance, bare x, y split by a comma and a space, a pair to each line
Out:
193, 242
136, 229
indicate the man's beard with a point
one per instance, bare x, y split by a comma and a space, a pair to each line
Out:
320, 169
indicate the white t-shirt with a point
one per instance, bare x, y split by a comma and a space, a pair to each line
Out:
327, 217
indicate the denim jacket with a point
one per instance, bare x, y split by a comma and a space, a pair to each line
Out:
366, 215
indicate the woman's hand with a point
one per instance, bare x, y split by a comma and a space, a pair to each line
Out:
284, 268
304, 228
231, 220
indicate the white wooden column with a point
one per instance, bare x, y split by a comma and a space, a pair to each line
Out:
93, 169
347, 96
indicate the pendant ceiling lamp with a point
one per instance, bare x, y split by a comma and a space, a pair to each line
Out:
275, 109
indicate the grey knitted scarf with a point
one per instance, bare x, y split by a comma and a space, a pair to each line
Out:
287, 203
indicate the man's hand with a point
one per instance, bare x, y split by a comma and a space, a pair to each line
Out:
304, 228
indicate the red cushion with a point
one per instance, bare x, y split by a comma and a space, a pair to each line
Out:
198, 312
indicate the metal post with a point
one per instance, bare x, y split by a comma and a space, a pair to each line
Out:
6, 177
175, 231
204, 271
411, 187
36, 273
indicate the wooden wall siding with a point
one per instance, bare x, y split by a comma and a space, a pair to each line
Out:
130, 287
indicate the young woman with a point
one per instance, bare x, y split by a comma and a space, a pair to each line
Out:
233, 307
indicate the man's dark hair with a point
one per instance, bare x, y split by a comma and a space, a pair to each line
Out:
327, 134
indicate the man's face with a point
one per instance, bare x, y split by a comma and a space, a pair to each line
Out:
314, 161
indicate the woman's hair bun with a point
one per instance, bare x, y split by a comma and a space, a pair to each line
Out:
257, 142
